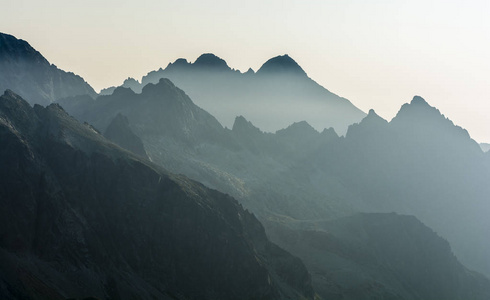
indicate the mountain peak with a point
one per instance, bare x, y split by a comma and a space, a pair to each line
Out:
180, 61
179, 64
15, 49
298, 129
372, 115
10, 94
211, 61
163, 84
417, 108
371, 124
417, 100
329, 133
281, 64
130, 80
28, 73
121, 90
419, 115
241, 125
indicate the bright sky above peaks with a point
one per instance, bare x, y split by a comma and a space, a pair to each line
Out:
378, 54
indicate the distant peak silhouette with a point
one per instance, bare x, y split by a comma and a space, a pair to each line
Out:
417, 100
250, 71
418, 111
243, 125
130, 80
417, 105
14, 49
121, 90
372, 115
298, 129
209, 60
281, 64
164, 84
181, 61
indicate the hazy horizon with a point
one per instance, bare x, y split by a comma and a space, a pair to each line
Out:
377, 55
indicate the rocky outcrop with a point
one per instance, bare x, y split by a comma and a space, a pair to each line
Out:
120, 133
131, 83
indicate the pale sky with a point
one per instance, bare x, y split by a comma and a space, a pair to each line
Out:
378, 54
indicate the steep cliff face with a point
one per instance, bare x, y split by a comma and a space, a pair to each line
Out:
25, 71
80, 217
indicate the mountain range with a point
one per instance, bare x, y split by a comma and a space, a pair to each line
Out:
327, 199
301, 175
82, 217
277, 95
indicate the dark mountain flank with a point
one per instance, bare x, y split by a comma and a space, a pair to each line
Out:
28, 73
279, 94
80, 217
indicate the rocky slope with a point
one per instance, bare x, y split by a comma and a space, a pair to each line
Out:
25, 71
121, 134
81, 217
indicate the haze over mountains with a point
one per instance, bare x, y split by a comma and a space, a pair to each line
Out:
419, 163
80, 202
277, 95
72, 198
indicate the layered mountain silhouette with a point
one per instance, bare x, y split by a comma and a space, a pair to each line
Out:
186, 139
279, 94
326, 198
299, 173
81, 217
25, 71
420, 163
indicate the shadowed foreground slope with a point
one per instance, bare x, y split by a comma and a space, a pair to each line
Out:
81, 217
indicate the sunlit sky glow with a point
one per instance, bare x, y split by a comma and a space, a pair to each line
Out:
378, 54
